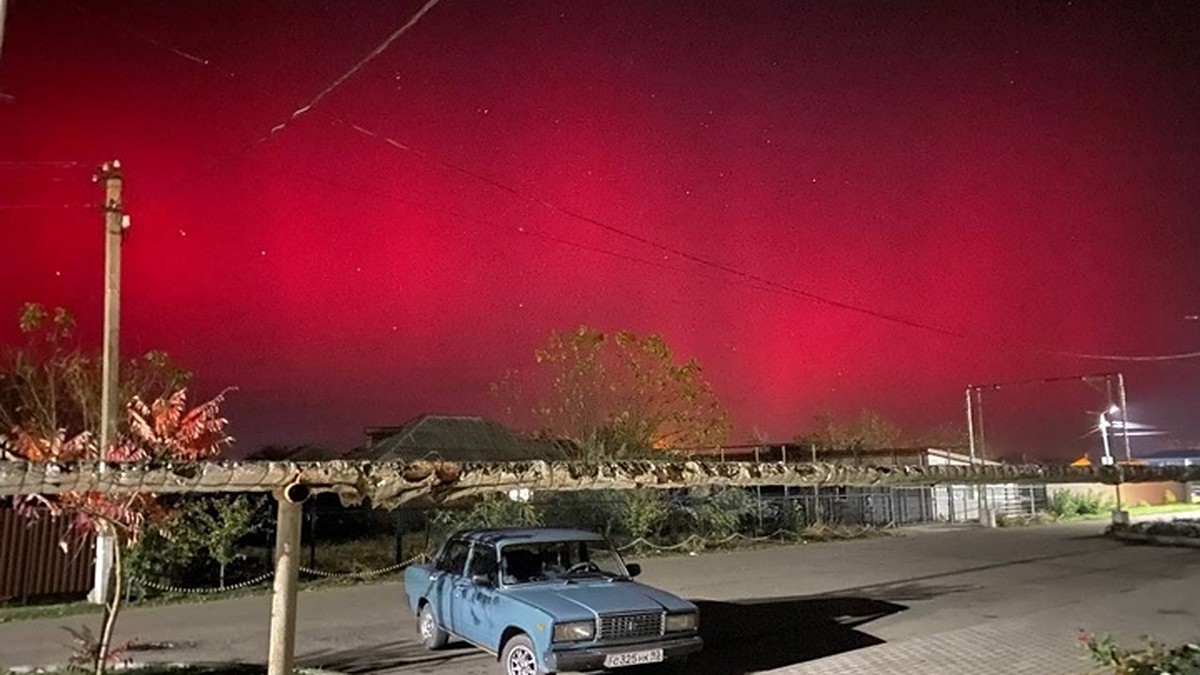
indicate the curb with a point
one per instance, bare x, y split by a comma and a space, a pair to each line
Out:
139, 665
1157, 539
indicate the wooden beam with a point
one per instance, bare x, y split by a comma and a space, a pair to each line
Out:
393, 484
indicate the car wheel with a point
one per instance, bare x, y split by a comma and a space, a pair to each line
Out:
432, 635
519, 657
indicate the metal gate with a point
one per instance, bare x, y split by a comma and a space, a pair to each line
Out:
32, 562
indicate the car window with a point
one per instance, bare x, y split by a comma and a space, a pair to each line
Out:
454, 557
545, 561
483, 561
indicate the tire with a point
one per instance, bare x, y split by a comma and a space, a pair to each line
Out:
519, 657
431, 634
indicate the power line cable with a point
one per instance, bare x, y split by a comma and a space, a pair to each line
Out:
34, 207
241, 151
759, 281
521, 230
338, 81
742, 274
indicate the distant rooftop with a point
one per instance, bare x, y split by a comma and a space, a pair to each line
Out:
460, 438
1172, 456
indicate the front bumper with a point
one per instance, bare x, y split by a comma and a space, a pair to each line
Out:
592, 657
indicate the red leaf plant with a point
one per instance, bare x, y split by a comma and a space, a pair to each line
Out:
161, 431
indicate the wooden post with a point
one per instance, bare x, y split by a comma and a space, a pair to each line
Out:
282, 652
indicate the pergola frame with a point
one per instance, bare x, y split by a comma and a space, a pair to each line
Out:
432, 482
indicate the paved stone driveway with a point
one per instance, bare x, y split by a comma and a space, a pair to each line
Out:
931, 601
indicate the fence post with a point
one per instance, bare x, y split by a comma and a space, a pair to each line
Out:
783, 458
758, 489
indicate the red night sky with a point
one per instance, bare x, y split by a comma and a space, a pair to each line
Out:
1020, 174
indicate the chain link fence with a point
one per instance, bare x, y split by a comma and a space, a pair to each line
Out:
362, 543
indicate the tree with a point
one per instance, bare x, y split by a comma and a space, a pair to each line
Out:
51, 383
869, 431
616, 395
161, 431
218, 524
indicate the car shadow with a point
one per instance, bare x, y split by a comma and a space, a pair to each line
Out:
401, 656
740, 636
749, 636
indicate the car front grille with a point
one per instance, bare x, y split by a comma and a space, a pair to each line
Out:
624, 626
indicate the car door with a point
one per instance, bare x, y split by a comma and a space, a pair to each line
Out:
448, 571
472, 599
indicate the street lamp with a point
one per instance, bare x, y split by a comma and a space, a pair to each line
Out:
1104, 425
1119, 514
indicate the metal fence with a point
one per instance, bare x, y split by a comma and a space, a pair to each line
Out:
32, 562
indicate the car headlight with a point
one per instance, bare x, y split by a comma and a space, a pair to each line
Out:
574, 631
678, 623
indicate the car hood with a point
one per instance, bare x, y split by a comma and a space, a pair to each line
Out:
583, 600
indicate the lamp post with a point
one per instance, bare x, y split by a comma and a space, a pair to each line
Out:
1120, 515
1103, 426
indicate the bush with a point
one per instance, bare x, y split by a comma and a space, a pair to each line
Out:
1169, 497
1179, 527
1022, 520
644, 513
789, 515
1153, 658
490, 511
1069, 504
598, 510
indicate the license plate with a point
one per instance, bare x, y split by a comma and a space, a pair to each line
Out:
633, 658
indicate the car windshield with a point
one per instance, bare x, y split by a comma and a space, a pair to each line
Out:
559, 561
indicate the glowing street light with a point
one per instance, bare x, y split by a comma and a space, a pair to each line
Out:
1104, 425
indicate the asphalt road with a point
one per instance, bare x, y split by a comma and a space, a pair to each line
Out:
775, 609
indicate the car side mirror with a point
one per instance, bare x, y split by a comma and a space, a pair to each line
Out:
481, 579
634, 569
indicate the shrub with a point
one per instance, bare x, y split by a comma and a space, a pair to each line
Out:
721, 514
1068, 504
644, 513
1169, 497
790, 515
490, 511
1152, 658
599, 510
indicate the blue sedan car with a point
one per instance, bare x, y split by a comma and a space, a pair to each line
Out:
547, 600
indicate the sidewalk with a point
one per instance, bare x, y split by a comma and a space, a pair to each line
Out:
1043, 643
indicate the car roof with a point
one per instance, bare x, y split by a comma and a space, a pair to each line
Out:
511, 535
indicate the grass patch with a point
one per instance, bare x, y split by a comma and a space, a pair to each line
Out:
1139, 510
24, 612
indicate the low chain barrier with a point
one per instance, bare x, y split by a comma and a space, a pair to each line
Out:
695, 541
692, 542
365, 574
206, 590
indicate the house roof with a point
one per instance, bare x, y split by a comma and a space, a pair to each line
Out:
1175, 453
460, 438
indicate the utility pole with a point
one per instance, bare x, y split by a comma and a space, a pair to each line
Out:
2, 4
4, 98
115, 224
1124, 416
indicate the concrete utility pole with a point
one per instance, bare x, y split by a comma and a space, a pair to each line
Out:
4, 98
2, 4
1124, 416
115, 224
